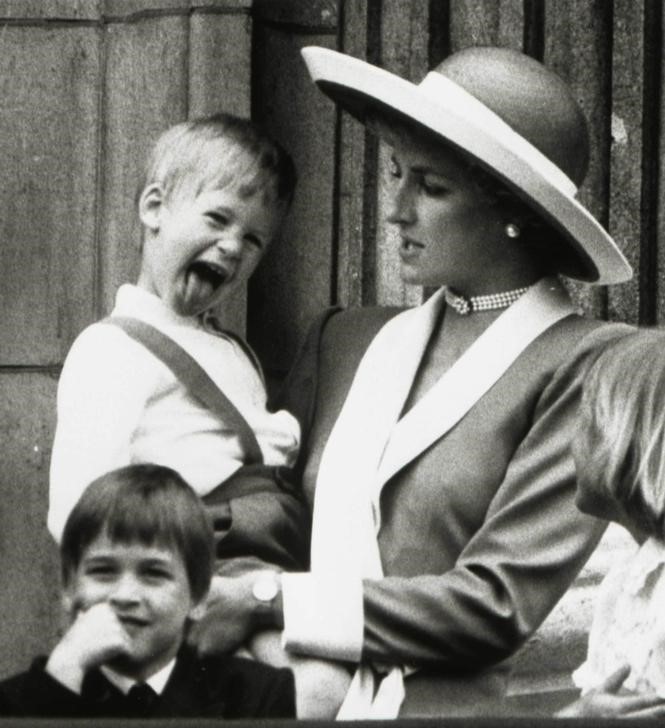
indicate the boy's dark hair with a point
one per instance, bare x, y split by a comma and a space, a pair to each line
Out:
216, 151
151, 504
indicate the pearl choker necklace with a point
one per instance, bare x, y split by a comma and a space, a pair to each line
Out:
464, 306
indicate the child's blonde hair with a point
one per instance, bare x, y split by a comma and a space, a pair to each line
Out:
624, 401
219, 151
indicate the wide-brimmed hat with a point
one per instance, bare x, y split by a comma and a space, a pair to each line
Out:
510, 115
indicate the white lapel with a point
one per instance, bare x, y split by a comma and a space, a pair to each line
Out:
369, 437
473, 374
355, 446
384, 378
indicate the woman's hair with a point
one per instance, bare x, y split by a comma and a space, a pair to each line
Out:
550, 250
219, 151
148, 504
624, 401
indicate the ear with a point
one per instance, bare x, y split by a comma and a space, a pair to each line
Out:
151, 204
69, 602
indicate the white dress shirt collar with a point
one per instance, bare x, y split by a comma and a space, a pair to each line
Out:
157, 681
133, 301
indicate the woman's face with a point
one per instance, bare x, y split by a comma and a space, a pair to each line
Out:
450, 232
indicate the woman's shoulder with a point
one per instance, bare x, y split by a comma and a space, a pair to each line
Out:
576, 336
359, 324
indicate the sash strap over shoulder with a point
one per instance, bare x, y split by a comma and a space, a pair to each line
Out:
193, 377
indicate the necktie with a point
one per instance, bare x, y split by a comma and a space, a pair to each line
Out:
140, 699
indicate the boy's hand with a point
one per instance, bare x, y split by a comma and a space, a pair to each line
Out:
606, 702
95, 636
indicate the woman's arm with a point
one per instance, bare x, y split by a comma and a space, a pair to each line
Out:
235, 618
507, 578
510, 574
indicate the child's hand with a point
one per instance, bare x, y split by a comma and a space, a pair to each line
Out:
321, 686
95, 636
606, 702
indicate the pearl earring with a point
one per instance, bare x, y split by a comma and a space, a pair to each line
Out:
512, 230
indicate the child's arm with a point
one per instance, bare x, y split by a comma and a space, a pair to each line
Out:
606, 701
95, 637
100, 398
320, 685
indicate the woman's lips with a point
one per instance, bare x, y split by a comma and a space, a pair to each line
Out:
410, 249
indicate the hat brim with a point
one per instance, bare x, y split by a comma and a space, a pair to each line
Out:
363, 89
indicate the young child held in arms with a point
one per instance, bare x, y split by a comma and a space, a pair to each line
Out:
137, 557
619, 451
214, 193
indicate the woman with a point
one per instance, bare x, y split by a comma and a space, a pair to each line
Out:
444, 525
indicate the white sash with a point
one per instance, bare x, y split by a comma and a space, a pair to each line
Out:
370, 443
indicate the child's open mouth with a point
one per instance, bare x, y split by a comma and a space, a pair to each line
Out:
209, 273
202, 281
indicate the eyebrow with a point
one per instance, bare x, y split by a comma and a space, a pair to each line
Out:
419, 169
229, 211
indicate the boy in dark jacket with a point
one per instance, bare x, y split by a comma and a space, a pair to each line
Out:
137, 558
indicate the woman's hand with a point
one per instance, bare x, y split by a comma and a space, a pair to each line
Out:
606, 702
232, 615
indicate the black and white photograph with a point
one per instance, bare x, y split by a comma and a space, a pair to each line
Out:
332, 361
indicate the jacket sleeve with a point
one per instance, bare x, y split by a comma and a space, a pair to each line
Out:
515, 568
36, 694
279, 698
255, 690
508, 576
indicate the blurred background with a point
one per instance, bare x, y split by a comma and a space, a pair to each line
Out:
86, 84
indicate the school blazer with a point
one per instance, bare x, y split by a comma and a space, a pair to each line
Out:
221, 687
480, 536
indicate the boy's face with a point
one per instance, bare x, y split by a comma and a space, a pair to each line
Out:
147, 589
197, 250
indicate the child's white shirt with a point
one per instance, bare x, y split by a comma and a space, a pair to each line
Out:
118, 404
629, 623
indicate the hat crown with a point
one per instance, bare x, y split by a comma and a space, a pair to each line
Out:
530, 98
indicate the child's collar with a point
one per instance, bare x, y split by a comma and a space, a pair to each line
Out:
139, 303
157, 681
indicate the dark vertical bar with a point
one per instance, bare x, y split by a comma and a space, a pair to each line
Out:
648, 271
534, 29
439, 31
335, 253
371, 163
372, 51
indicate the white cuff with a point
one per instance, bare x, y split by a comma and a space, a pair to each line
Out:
323, 616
